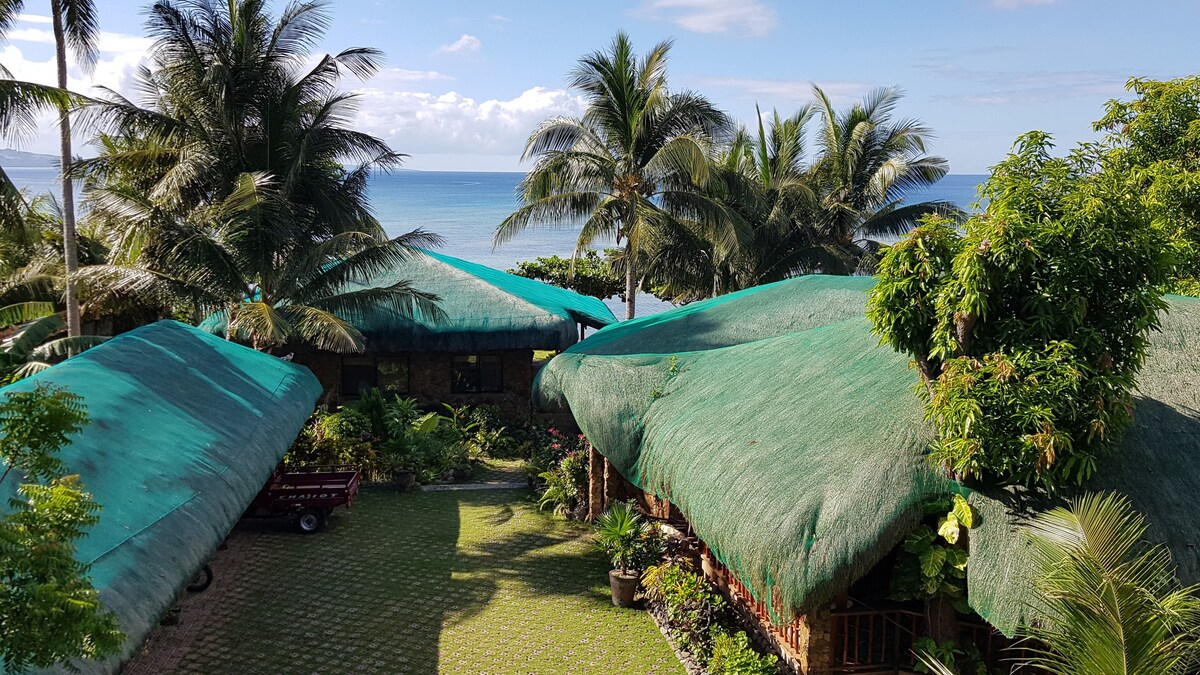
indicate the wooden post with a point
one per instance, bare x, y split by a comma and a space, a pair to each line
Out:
614, 484
596, 480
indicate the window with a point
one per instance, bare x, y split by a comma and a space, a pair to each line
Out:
388, 373
476, 373
358, 375
392, 375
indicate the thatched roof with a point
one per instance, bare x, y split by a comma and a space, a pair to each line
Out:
484, 310
794, 445
185, 429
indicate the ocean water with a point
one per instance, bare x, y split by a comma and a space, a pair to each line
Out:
465, 208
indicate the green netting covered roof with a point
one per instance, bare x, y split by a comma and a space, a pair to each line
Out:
185, 428
794, 444
485, 309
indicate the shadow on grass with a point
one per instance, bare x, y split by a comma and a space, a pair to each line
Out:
380, 588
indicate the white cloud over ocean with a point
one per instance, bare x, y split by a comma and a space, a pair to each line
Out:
416, 122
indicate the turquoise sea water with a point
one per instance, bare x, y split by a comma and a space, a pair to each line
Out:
465, 207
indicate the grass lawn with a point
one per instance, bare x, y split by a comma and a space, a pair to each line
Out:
445, 582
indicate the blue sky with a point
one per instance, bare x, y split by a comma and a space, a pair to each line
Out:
467, 81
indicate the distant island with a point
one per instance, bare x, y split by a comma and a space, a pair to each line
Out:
21, 159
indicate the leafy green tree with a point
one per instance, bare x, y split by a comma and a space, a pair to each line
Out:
225, 192
587, 274
1029, 328
1156, 137
51, 612
76, 27
625, 168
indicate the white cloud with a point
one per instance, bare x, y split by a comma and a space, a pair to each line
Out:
34, 18
427, 123
401, 75
1017, 4
120, 56
774, 92
106, 42
750, 17
466, 43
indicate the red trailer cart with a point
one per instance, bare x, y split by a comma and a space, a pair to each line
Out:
311, 493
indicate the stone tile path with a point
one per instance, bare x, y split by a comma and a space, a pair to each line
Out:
428, 582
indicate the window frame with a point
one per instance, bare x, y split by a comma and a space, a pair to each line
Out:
373, 362
460, 386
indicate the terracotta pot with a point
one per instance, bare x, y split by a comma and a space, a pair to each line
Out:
624, 586
404, 480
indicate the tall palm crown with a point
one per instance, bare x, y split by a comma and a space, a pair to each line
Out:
622, 167
76, 28
225, 189
865, 164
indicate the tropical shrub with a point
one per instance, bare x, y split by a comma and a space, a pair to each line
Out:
733, 655
342, 437
694, 611
931, 562
964, 659
565, 485
1030, 327
51, 612
372, 405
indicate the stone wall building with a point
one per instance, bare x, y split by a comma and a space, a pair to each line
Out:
479, 350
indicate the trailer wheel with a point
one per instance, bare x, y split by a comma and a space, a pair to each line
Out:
202, 580
310, 521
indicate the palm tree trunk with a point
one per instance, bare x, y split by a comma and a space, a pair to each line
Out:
630, 284
70, 246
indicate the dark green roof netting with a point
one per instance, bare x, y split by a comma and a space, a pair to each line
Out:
485, 309
185, 429
794, 443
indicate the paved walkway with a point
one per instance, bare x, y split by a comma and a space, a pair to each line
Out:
461, 581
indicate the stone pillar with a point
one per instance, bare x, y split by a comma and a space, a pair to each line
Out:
818, 657
596, 482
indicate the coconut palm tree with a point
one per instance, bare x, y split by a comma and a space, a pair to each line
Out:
622, 169
32, 347
762, 181
865, 162
1108, 602
802, 216
223, 188
76, 28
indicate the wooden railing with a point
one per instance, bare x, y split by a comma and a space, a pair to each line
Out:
874, 640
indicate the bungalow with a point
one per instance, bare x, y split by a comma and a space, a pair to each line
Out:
480, 352
185, 428
772, 425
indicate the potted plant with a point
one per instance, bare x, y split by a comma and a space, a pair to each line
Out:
620, 531
397, 462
